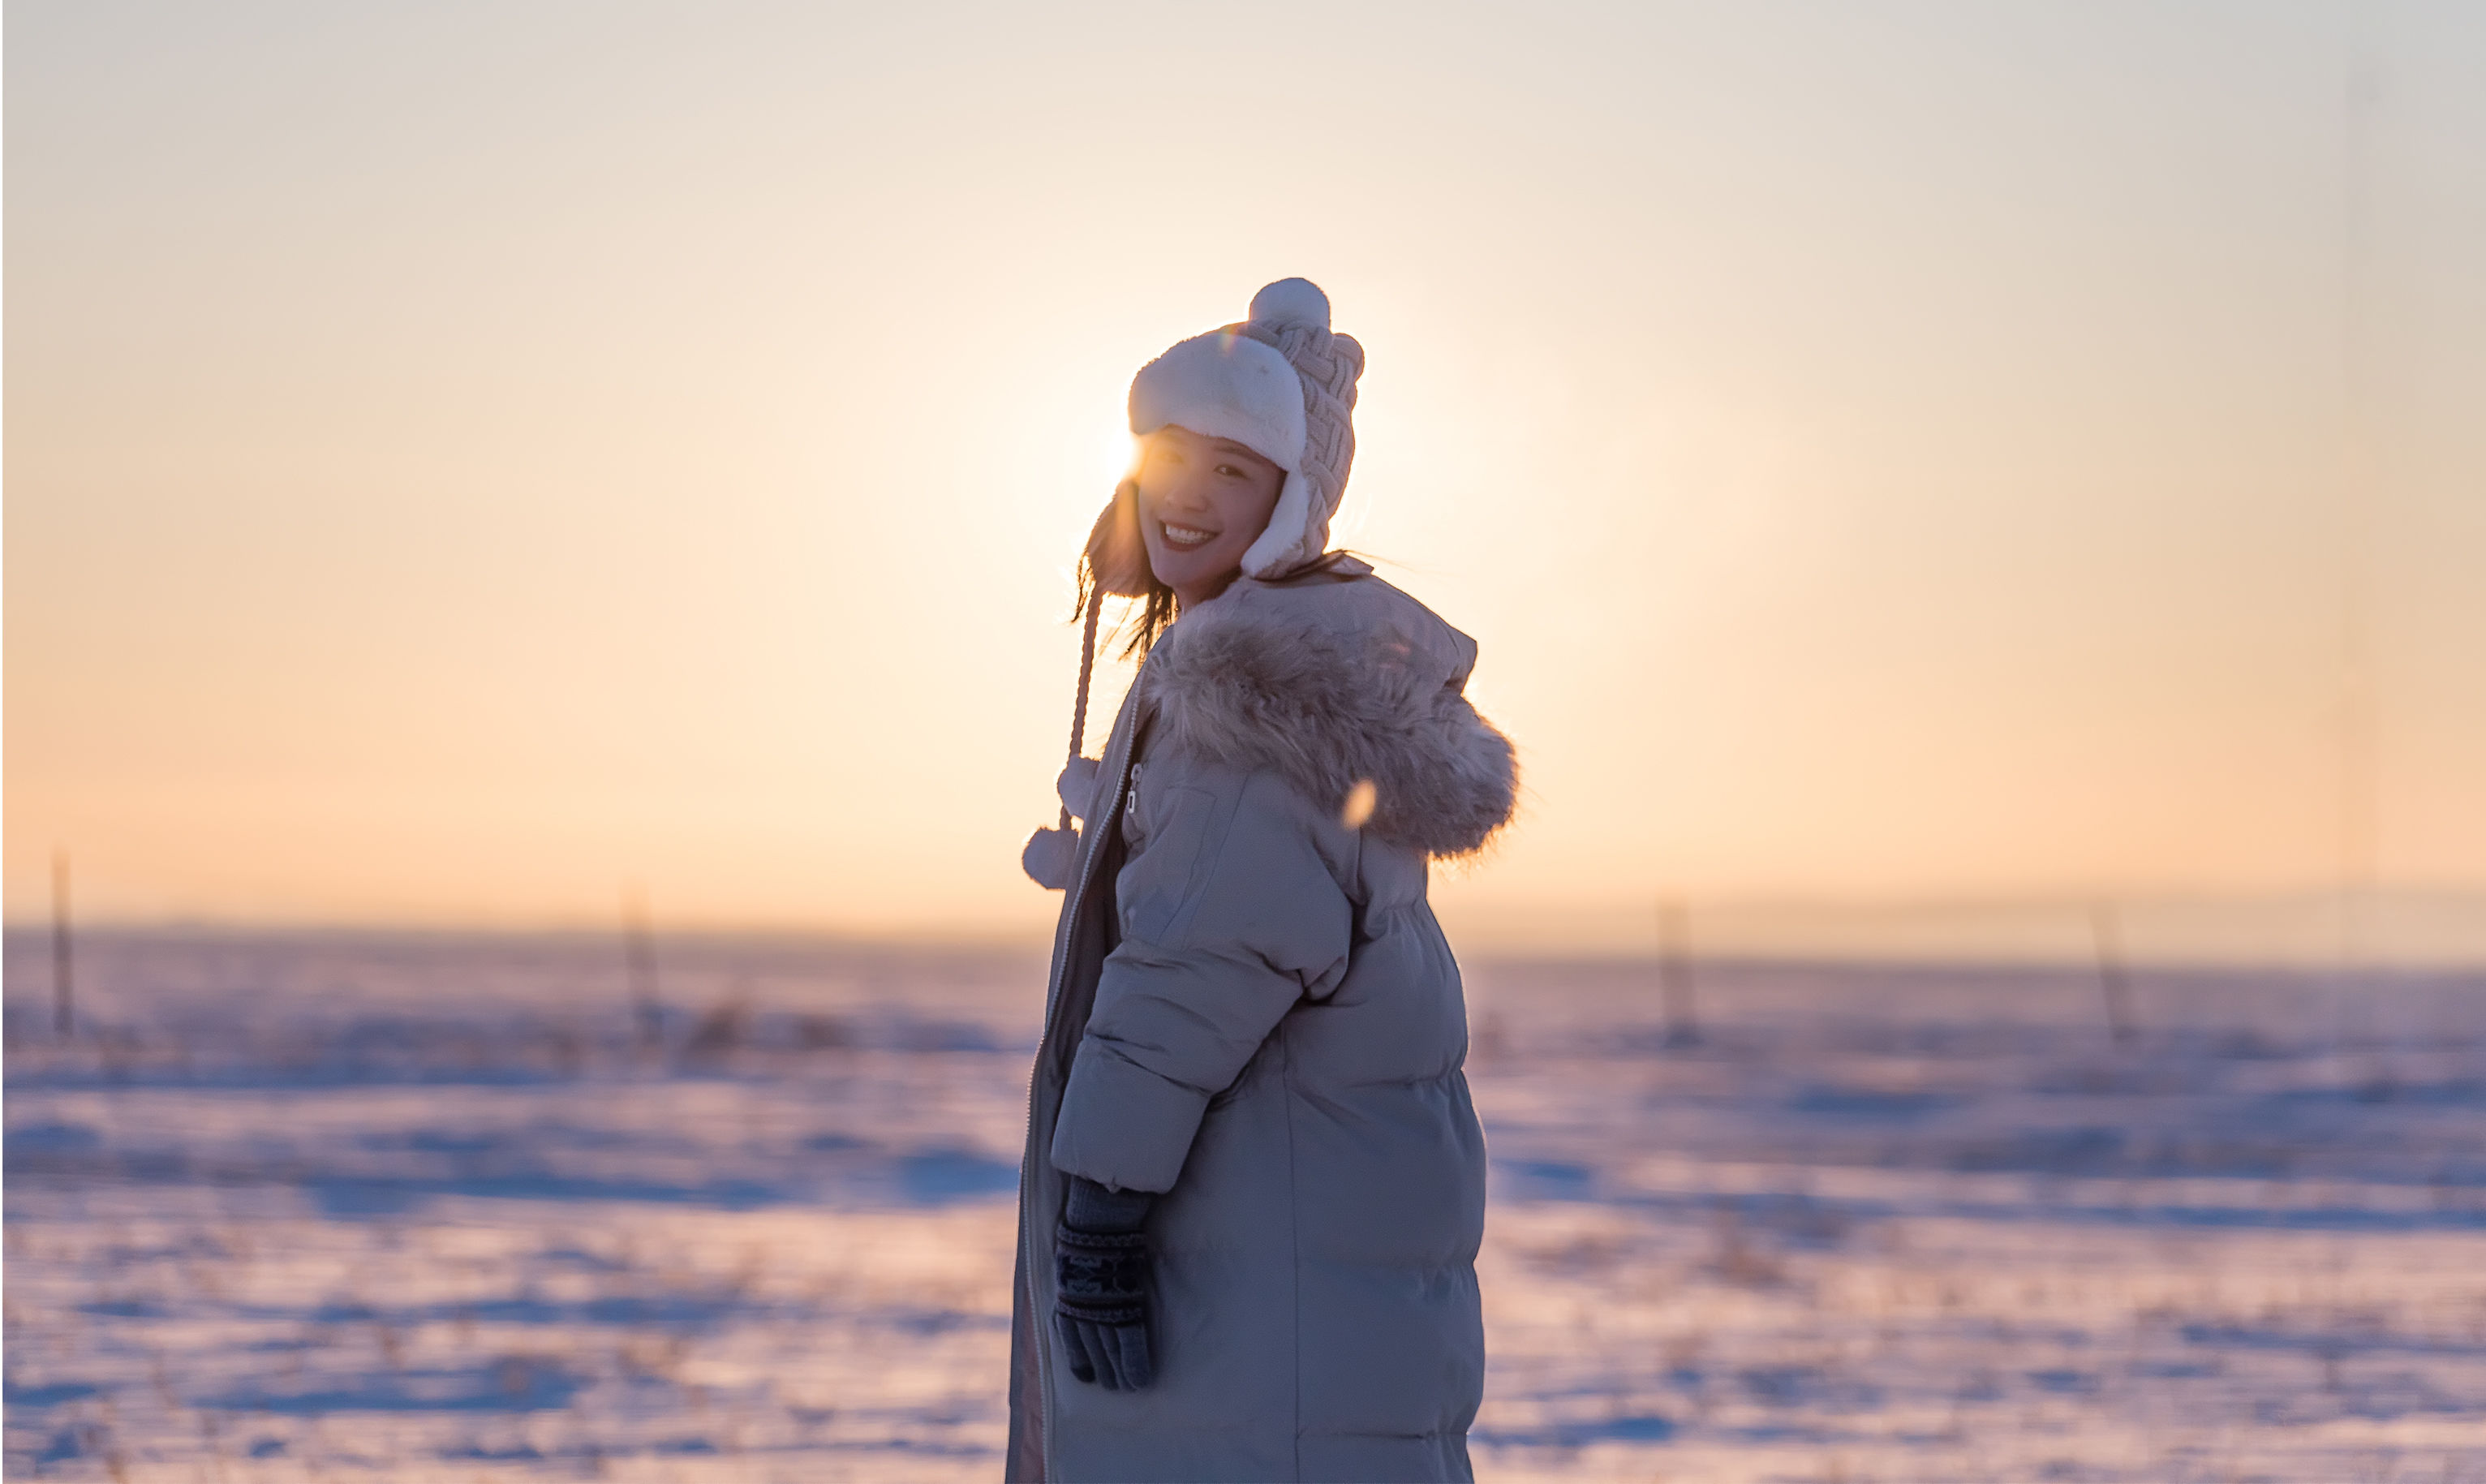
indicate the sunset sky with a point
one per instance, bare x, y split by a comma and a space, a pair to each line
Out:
465, 459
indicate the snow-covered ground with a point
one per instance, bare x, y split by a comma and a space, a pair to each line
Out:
316, 1206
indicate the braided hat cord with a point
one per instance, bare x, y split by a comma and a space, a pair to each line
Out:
1087, 668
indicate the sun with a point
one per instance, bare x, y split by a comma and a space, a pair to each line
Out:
1118, 454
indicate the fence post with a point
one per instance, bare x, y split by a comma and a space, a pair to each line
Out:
2114, 983
1674, 973
639, 958
64, 983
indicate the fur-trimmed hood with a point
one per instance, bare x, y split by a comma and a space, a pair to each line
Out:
1332, 680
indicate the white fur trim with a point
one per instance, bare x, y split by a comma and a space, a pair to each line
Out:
1225, 386
1280, 546
1277, 684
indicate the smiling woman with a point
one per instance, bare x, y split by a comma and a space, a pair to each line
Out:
1254, 1184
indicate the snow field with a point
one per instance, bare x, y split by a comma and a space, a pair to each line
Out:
296, 1208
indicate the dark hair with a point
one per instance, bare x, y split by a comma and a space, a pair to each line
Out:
1140, 622
1116, 563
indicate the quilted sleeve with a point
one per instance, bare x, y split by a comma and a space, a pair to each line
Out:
1231, 916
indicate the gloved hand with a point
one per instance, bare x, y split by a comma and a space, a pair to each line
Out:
1100, 1303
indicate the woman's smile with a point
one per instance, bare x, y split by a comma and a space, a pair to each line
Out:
1203, 502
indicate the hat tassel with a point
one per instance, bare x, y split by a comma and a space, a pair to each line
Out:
1051, 852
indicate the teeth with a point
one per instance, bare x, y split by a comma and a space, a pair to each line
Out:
1185, 536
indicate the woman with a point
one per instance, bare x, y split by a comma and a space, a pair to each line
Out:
1254, 1184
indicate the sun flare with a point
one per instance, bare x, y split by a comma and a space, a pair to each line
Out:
1117, 455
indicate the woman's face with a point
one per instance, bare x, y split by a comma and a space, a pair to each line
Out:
1203, 502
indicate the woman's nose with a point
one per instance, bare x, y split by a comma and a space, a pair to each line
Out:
1183, 492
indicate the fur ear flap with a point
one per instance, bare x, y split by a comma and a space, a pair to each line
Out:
1115, 552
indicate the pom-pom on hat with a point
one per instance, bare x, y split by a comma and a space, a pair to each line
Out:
1282, 384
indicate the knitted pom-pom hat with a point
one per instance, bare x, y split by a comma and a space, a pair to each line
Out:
1282, 385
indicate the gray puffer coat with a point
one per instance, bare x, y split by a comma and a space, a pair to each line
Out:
1253, 1012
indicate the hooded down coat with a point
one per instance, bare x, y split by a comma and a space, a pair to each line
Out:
1253, 1012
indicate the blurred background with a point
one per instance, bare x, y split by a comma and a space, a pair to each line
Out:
537, 549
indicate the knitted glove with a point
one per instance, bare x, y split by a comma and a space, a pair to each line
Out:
1100, 1306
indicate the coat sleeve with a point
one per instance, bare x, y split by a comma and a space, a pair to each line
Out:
1231, 915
